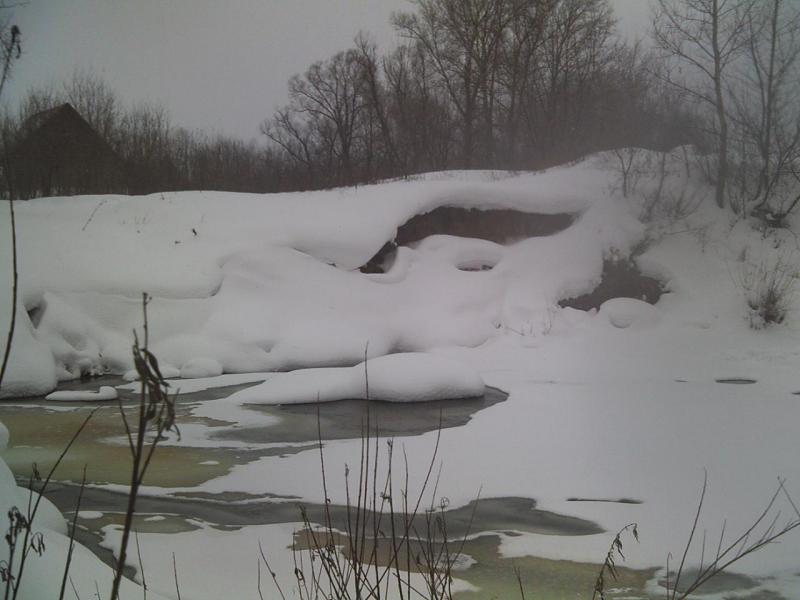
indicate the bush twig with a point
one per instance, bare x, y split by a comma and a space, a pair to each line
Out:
156, 415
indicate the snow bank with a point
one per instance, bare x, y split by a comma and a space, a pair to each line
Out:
629, 312
268, 282
410, 377
31, 368
603, 404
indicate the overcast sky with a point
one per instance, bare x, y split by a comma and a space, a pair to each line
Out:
218, 65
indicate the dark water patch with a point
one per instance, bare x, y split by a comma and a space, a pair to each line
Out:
481, 564
761, 595
92, 383
40, 429
496, 576
515, 514
476, 268
496, 225
344, 419
737, 380
502, 226
612, 500
620, 279
494, 515
719, 584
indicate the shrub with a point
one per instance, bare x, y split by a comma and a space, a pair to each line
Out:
768, 288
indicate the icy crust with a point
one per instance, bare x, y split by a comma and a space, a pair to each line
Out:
245, 283
409, 377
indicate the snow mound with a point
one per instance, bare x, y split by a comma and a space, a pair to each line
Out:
90, 515
624, 313
201, 367
407, 377
31, 369
269, 283
105, 392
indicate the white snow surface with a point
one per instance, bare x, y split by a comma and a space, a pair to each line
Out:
619, 402
406, 377
268, 281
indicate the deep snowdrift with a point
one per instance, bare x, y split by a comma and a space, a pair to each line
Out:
246, 283
621, 402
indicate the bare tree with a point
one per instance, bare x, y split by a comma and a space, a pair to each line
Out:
11, 49
419, 113
38, 99
295, 138
143, 140
92, 97
575, 49
330, 96
766, 114
519, 68
706, 36
376, 100
463, 39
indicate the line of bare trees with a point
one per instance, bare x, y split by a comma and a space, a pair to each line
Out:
737, 60
476, 83
512, 84
158, 155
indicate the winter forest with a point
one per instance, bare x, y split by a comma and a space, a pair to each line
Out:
501, 305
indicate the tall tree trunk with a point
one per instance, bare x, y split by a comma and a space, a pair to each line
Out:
722, 161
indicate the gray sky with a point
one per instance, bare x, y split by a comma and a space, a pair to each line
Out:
218, 65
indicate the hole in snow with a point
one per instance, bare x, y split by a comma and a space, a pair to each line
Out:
496, 225
502, 226
35, 315
620, 279
475, 266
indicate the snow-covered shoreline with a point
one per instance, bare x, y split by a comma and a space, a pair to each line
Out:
244, 283
619, 402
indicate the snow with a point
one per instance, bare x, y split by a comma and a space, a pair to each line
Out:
629, 312
31, 368
268, 281
201, 367
89, 515
105, 392
618, 402
407, 377
43, 574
